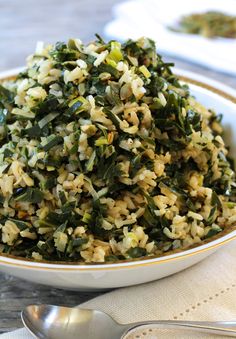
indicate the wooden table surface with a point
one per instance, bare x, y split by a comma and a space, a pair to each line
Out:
22, 23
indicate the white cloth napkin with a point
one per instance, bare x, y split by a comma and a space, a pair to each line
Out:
152, 18
206, 291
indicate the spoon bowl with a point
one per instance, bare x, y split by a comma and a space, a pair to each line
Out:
63, 322
57, 322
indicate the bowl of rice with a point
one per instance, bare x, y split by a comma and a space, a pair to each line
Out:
114, 170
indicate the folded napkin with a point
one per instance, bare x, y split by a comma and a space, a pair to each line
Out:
206, 291
152, 18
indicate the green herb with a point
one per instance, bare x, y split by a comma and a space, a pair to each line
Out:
53, 142
215, 200
213, 232
1, 199
32, 195
112, 117
79, 242
212, 216
136, 252
3, 124
62, 53
6, 98
49, 183
91, 161
48, 118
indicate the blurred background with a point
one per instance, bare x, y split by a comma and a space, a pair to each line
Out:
22, 24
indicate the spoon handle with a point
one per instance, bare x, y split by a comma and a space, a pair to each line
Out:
226, 328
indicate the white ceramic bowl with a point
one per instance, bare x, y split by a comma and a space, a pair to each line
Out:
104, 276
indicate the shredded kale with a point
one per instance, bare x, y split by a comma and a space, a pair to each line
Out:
32, 195
103, 151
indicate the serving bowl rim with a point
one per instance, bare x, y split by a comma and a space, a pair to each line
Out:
170, 256
212, 243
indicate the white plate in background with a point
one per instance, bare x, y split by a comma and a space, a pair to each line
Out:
151, 18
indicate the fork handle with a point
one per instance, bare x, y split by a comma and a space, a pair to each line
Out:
225, 328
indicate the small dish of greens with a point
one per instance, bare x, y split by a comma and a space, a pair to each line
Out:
211, 24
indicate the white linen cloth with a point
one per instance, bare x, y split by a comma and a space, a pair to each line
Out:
152, 18
206, 291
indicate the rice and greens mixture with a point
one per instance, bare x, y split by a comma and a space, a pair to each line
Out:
104, 155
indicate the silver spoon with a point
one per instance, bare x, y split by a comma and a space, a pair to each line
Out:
48, 321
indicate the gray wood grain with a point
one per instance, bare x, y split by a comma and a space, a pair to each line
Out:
22, 23
15, 294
